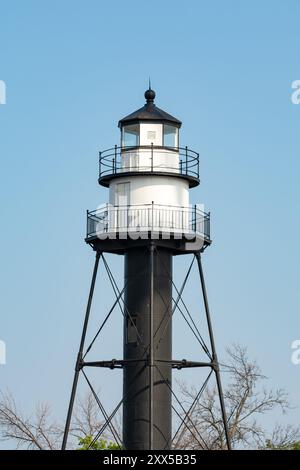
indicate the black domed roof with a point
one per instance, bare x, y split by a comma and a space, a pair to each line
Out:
149, 112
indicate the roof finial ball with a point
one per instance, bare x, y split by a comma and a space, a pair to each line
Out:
150, 95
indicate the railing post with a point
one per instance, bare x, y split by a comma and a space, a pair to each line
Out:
197, 165
87, 224
195, 218
107, 218
99, 164
115, 159
208, 226
152, 157
152, 224
186, 160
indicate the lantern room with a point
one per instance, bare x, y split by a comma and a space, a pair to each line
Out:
150, 125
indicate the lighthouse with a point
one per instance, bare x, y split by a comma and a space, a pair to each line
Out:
147, 219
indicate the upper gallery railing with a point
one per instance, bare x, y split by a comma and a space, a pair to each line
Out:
151, 158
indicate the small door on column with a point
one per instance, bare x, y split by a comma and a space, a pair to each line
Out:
122, 201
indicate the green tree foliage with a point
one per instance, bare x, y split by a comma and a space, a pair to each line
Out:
87, 443
291, 446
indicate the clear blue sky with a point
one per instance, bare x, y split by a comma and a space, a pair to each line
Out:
72, 69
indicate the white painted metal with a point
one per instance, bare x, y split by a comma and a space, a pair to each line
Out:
146, 159
158, 189
151, 134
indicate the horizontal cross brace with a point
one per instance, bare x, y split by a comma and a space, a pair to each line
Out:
119, 364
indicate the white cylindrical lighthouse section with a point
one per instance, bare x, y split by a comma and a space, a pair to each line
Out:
139, 190
144, 203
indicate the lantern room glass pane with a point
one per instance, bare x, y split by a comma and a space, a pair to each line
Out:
170, 136
131, 135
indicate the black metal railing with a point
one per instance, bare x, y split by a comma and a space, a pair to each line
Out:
152, 158
148, 218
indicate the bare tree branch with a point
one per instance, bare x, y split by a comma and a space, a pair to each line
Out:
40, 431
245, 401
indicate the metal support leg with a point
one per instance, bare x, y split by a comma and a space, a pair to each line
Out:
213, 350
80, 353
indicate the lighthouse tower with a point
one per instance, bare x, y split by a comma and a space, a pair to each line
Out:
148, 219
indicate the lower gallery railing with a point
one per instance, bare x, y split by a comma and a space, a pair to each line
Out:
164, 219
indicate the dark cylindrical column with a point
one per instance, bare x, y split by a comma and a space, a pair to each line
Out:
137, 327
